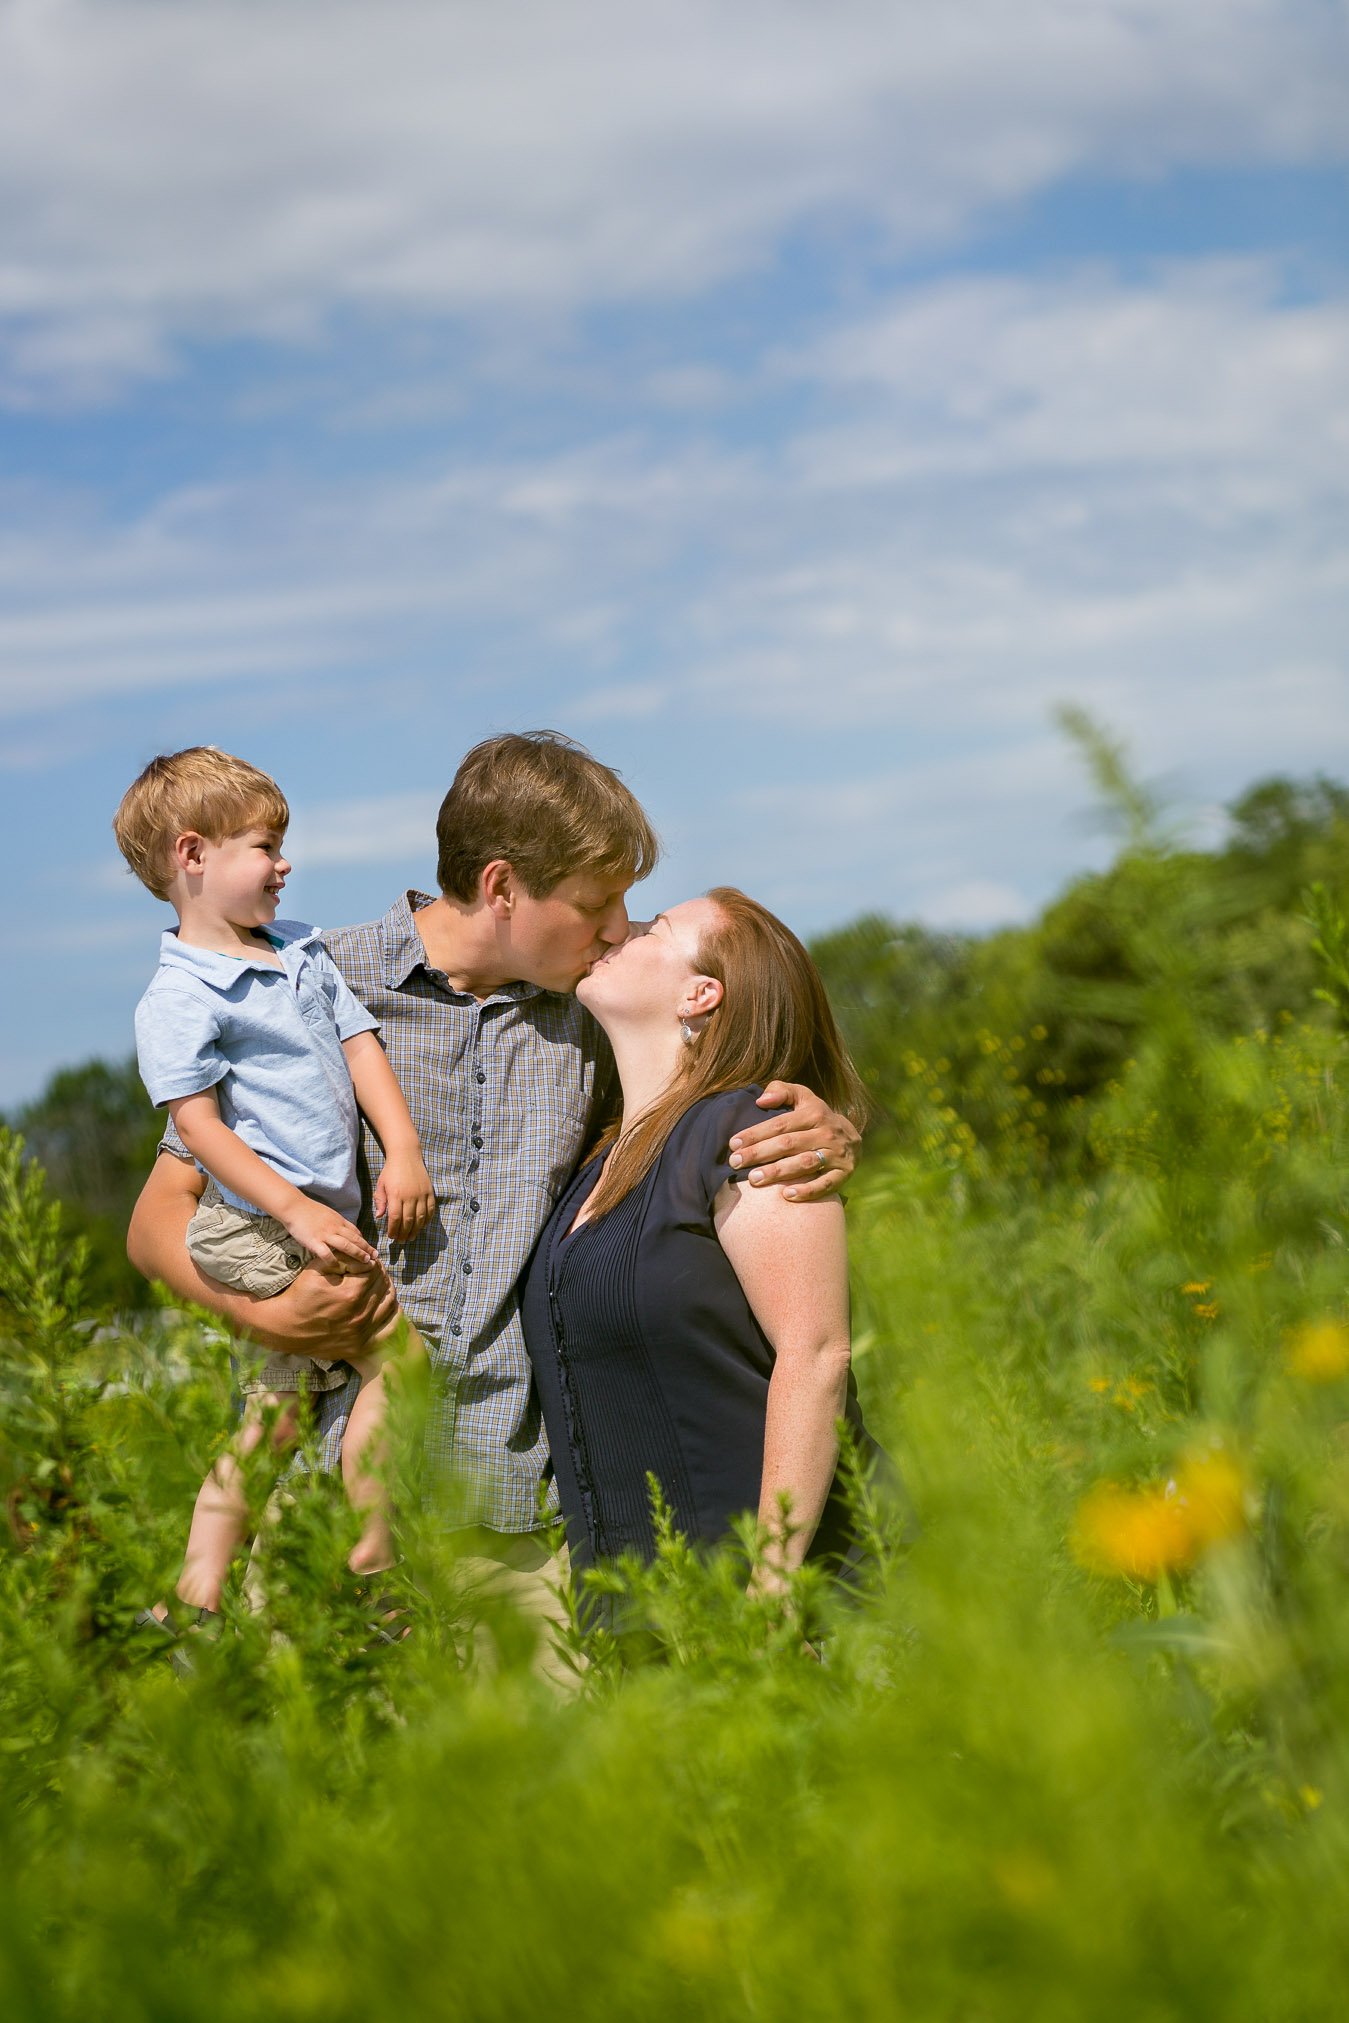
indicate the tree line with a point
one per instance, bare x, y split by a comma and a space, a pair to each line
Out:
992, 1055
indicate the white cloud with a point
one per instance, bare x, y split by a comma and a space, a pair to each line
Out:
1202, 366
376, 829
1189, 588
171, 172
979, 903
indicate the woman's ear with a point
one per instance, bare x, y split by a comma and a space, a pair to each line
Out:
702, 995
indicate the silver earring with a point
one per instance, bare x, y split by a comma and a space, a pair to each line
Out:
687, 1032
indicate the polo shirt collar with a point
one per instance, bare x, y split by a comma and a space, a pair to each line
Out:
223, 970
405, 952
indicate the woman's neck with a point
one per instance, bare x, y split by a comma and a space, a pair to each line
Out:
647, 1063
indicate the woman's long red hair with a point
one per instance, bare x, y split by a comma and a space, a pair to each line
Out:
774, 1023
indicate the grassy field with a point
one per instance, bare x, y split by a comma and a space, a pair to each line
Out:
1080, 1752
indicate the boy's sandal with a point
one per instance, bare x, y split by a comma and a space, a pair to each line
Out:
388, 1617
175, 1635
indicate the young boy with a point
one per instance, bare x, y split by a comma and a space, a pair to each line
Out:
251, 1039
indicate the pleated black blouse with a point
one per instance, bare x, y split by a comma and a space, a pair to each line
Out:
647, 1357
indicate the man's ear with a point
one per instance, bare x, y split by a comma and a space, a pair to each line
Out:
498, 888
188, 851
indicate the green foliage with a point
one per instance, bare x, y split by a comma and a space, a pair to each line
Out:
1022, 1781
1080, 1748
1021, 1036
94, 1132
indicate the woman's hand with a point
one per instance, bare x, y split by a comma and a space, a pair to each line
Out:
785, 1151
404, 1197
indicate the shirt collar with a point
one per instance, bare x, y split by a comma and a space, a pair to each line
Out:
405, 952
223, 970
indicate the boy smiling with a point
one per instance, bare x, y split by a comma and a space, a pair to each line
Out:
251, 1040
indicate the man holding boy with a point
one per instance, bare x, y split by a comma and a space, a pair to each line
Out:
507, 1080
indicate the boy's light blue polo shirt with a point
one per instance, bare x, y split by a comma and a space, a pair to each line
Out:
269, 1042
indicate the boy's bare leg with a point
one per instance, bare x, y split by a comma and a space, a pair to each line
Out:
220, 1516
393, 1358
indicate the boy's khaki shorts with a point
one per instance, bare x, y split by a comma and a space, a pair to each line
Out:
257, 1254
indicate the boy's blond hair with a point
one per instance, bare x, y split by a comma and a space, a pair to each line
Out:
201, 788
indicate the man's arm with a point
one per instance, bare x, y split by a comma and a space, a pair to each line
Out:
317, 1315
784, 1151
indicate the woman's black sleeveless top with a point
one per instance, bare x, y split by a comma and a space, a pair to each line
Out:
648, 1359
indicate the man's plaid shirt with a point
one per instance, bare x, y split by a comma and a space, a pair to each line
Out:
502, 1093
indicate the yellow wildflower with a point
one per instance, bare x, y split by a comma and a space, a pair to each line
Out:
1212, 1490
1148, 1532
1207, 1310
1143, 1532
1198, 1285
1319, 1351
1100, 1384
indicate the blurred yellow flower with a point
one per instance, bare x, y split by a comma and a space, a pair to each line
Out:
1149, 1532
1212, 1490
1143, 1532
1319, 1351
1198, 1285
1206, 1311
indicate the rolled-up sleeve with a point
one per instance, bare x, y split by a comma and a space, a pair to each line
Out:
177, 1045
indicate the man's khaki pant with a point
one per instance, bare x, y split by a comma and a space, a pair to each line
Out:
513, 1585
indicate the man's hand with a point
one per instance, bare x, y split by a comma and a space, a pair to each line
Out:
404, 1197
318, 1315
322, 1315
785, 1151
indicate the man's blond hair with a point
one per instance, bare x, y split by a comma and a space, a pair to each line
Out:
201, 789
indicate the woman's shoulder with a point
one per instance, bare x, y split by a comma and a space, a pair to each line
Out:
710, 1111
700, 1140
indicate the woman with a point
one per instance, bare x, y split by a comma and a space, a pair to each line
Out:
679, 1324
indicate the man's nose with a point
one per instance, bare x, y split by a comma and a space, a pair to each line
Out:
617, 927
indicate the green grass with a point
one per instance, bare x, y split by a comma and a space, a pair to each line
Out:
1015, 1789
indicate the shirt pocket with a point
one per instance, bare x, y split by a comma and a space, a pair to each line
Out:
539, 1142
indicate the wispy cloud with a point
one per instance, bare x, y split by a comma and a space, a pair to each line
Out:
373, 829
158, 182
1021, 489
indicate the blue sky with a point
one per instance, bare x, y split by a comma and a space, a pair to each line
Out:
794, 403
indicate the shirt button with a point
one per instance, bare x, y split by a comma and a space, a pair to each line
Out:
456, 1329
479, 1076
475, 1206
468, 1268
472, 1165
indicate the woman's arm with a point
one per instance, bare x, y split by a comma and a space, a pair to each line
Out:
316, 1316
782, 1151
793, 1268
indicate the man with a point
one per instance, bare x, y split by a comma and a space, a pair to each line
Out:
507, 1079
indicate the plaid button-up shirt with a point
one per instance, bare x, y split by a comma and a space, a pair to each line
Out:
502, 1091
